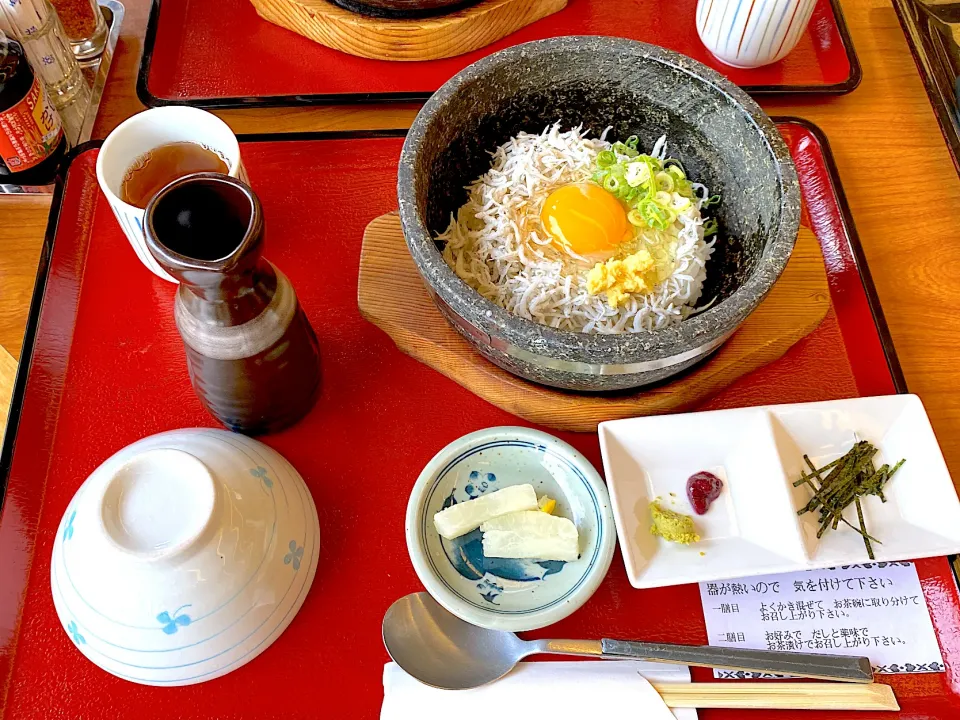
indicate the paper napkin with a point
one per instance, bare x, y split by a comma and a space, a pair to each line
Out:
555, 690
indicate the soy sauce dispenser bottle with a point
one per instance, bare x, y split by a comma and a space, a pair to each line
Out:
252, 355
32, 142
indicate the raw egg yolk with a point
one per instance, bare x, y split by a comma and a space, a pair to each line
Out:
585, 219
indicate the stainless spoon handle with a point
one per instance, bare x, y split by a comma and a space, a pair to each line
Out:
809, 665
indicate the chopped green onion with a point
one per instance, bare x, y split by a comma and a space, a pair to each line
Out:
665, 182
709, 227
657, 217
653, 190
677, 172
606, 158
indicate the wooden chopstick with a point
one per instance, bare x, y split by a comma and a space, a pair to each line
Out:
778, 696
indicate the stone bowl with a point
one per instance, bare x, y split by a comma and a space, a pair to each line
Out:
401, 9
721, 136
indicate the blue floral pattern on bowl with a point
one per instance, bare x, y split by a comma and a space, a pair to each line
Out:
261, 474
173, 622
75, 632
478, 485
68, 530
294, 556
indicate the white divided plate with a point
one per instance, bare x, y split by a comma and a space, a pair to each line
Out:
753, 527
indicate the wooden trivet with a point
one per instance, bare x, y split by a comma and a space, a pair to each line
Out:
391, 295
396, 39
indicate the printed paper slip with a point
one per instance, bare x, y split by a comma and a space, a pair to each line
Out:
874, 609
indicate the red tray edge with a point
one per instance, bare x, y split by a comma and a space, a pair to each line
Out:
150, 100
860, 259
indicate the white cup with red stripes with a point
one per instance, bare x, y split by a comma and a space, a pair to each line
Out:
752, 33
146, 131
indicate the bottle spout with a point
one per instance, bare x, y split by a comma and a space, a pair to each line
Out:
205, 229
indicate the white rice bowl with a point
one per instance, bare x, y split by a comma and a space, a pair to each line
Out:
496, 243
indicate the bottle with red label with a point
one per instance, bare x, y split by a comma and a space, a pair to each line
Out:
32, 142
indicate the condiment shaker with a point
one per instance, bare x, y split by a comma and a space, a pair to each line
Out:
85, 26
37, 27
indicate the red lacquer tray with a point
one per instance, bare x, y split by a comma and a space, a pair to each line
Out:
104, 367
220, 53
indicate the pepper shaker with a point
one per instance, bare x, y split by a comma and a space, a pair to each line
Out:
85, 26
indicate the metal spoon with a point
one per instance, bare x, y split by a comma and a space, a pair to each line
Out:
440, 649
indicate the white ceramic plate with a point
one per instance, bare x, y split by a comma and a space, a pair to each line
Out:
753, 527
499, 593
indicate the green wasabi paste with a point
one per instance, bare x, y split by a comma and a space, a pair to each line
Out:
672, 526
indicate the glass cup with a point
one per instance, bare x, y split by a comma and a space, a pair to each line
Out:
144, 132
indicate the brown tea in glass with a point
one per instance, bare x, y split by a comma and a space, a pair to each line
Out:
157, 168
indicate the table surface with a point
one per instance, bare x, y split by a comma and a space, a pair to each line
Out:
882, 134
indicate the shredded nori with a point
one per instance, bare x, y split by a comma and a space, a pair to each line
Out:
850, 478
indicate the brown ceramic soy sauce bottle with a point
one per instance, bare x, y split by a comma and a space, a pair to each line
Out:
251, 352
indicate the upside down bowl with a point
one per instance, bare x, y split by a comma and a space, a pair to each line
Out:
184, 556
720, 135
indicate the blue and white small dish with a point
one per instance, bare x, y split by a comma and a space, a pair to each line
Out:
184, 556
506, 594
